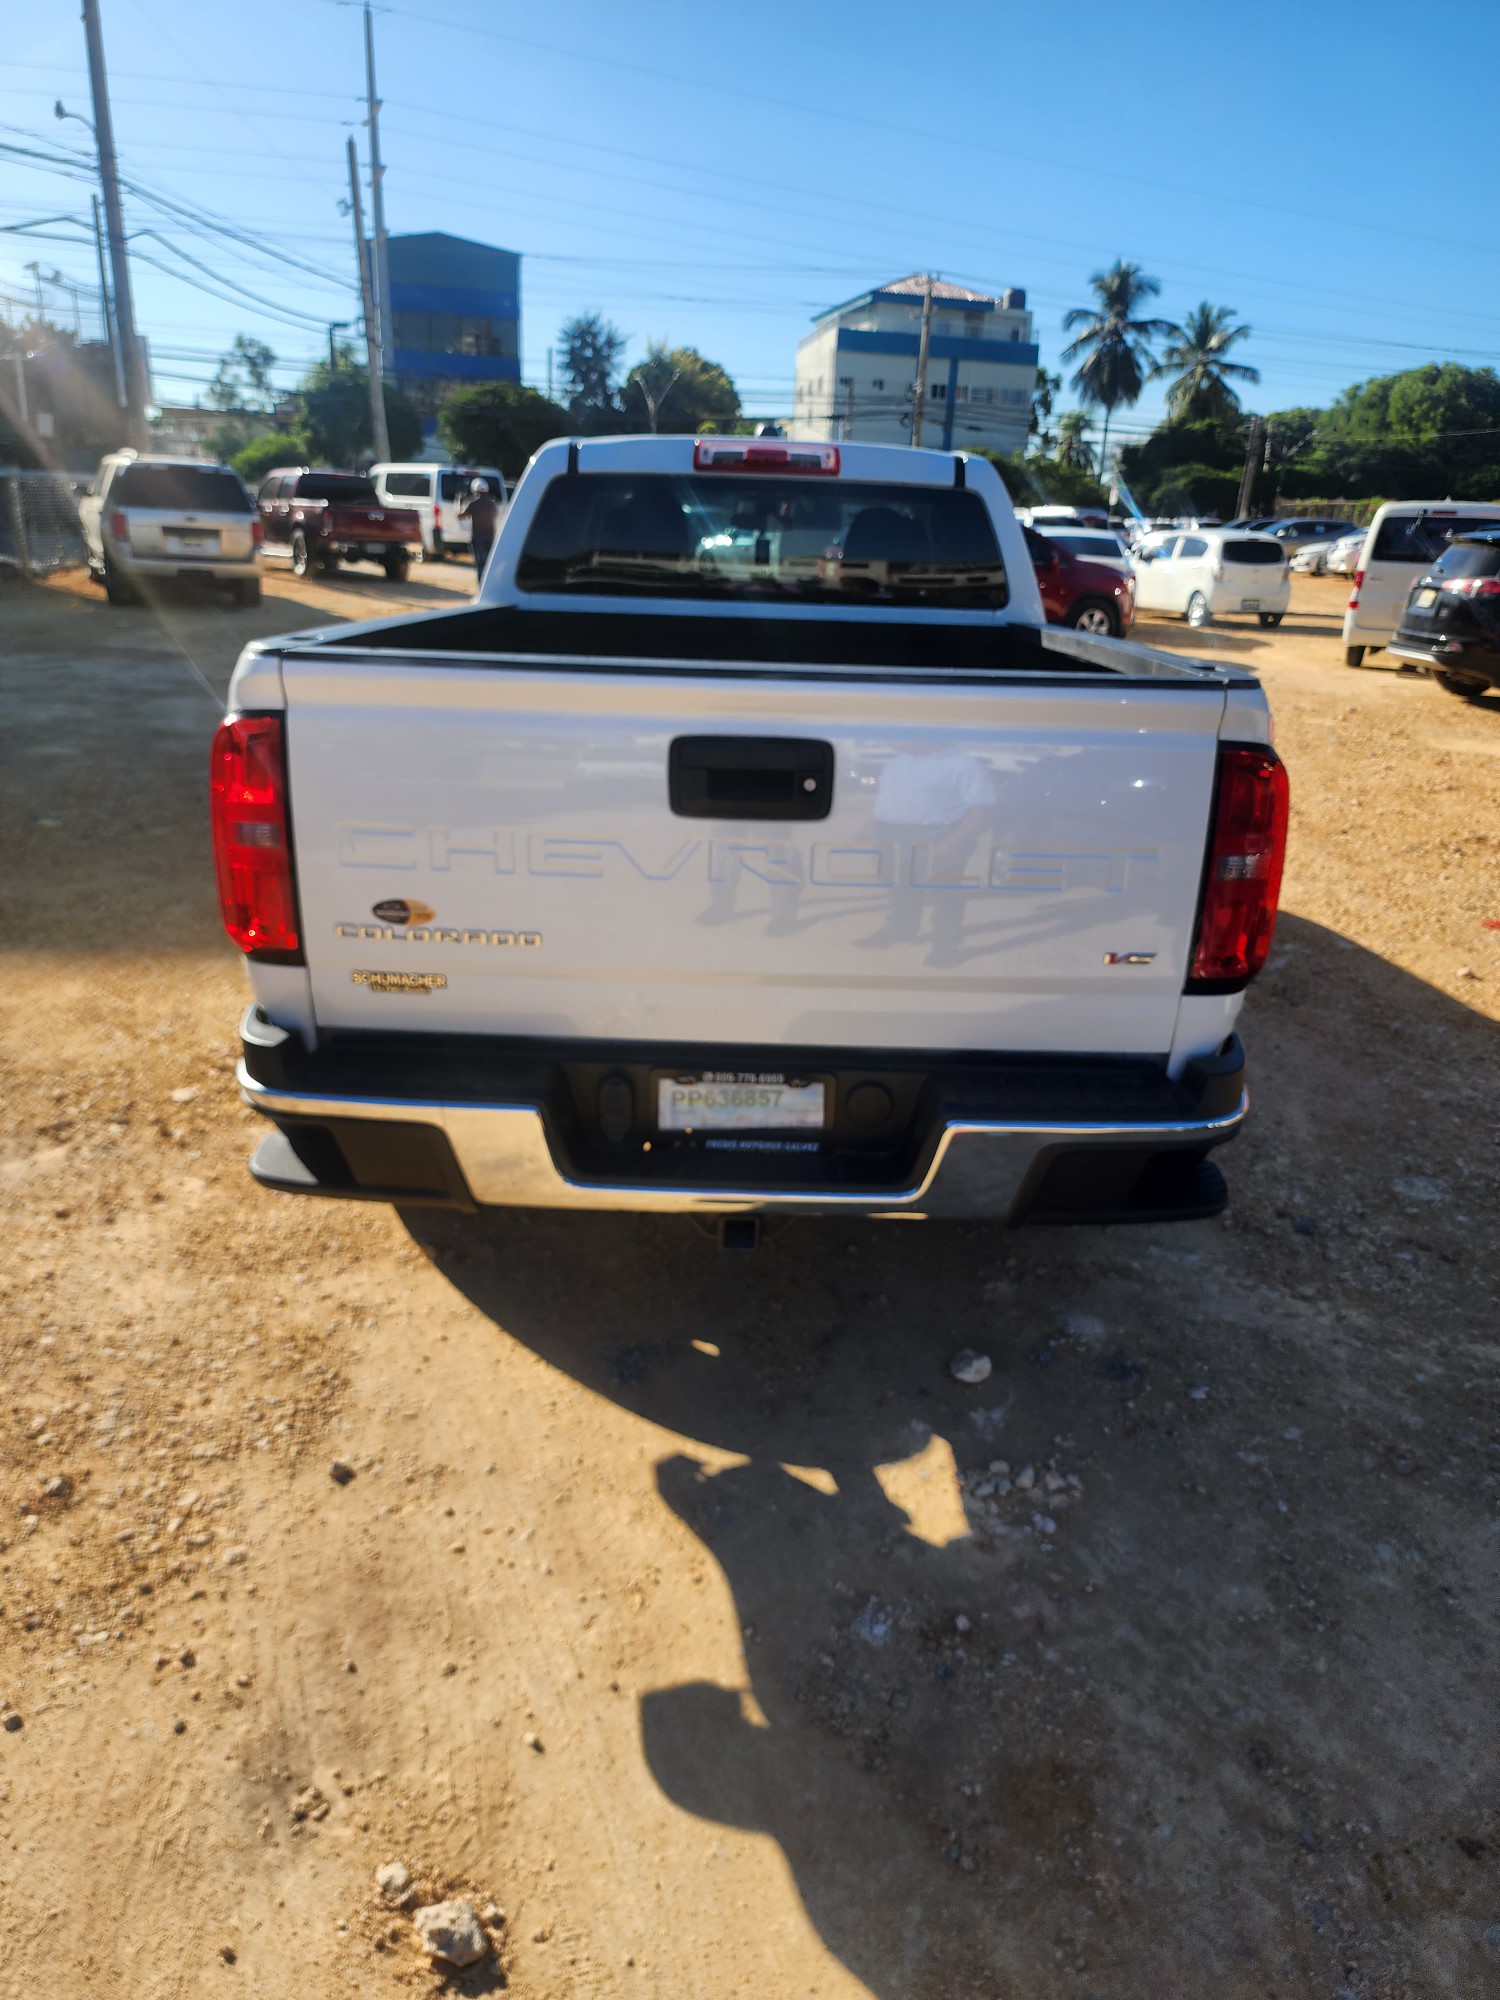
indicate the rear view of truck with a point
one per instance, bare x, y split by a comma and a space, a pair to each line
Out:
751, 845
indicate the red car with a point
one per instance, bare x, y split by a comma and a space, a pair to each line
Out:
314, 518
1091, 596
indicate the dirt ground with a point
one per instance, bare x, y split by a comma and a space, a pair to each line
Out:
674, 1604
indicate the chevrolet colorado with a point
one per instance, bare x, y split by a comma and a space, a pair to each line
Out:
750, 845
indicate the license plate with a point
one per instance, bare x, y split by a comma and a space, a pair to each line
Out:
192, 542
1425, 599
1249, 604
738, 1104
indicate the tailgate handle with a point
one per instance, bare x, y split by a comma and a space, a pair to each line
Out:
750, 777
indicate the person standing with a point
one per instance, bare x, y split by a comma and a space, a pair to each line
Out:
481, 510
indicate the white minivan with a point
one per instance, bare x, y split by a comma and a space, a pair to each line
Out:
1206, 573
1404, 540
433, 493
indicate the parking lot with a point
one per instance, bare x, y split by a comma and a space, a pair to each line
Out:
663, 1605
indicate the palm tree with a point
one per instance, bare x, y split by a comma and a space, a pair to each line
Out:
1073, 447
1116, 356
1196, 360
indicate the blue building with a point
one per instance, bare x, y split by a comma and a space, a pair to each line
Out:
456, 315
856, 370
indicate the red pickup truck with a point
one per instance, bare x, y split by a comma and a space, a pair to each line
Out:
315, 518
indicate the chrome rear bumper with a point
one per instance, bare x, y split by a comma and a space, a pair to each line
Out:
500, 1154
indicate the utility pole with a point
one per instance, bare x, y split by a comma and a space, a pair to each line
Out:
378, 433
131, 361
381, 276
1254, 450
107, 311
921, 396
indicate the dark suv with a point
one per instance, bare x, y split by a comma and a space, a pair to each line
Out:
1451, 624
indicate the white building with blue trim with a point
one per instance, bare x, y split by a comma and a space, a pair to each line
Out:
857, 369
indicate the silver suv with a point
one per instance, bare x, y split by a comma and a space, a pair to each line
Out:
171, 518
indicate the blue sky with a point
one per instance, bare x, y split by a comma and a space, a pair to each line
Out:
717, 175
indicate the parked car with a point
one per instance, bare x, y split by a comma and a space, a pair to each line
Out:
1211, 574
315, 518
747, 879
1343, 558
1295, 535
1451, 623
1065, 517
433, 493
1251, 524
154, 518
1402, 542
1095, 545
1089, 596
1312, 558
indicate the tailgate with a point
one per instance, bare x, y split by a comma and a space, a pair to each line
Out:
207, 537
497, 850
348, 523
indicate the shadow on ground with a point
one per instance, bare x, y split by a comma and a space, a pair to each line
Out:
1219, 1720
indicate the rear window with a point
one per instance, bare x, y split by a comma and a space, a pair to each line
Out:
408, 485
1252, 552
335, 486
454, 485
1093, 548
179, 489
1470, 559
1418, 538
722, 536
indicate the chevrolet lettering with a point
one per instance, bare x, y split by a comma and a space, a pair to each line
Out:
864, 890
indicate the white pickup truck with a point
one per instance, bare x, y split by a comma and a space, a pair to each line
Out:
749, 846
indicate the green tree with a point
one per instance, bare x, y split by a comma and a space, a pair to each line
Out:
335, 400
1073, 447
675, 389
1043, 397
1197, 361
1113, 344
243, 380
1037, 482
591, 351
254, 460
499, 423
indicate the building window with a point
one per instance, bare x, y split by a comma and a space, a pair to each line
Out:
973, 325
877, 382
938, 391
981, 395
1015, 333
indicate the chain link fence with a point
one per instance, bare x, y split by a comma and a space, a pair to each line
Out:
39, 526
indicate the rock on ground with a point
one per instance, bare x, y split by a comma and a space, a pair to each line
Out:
451, 1932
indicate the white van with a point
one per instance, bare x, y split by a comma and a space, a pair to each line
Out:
433, 493
1405, 538
1211, 572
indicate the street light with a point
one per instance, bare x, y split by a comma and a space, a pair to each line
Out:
60, 110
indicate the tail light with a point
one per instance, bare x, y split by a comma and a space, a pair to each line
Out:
252, 837
1242, 877
437, 517
1473, 586
747, 455
257, 532
119, 527
1359, 577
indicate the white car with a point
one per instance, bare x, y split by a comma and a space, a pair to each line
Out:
169, 519
1099, 545
1212, 573
1343, 558
834, 880
1402, 542
433, 492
